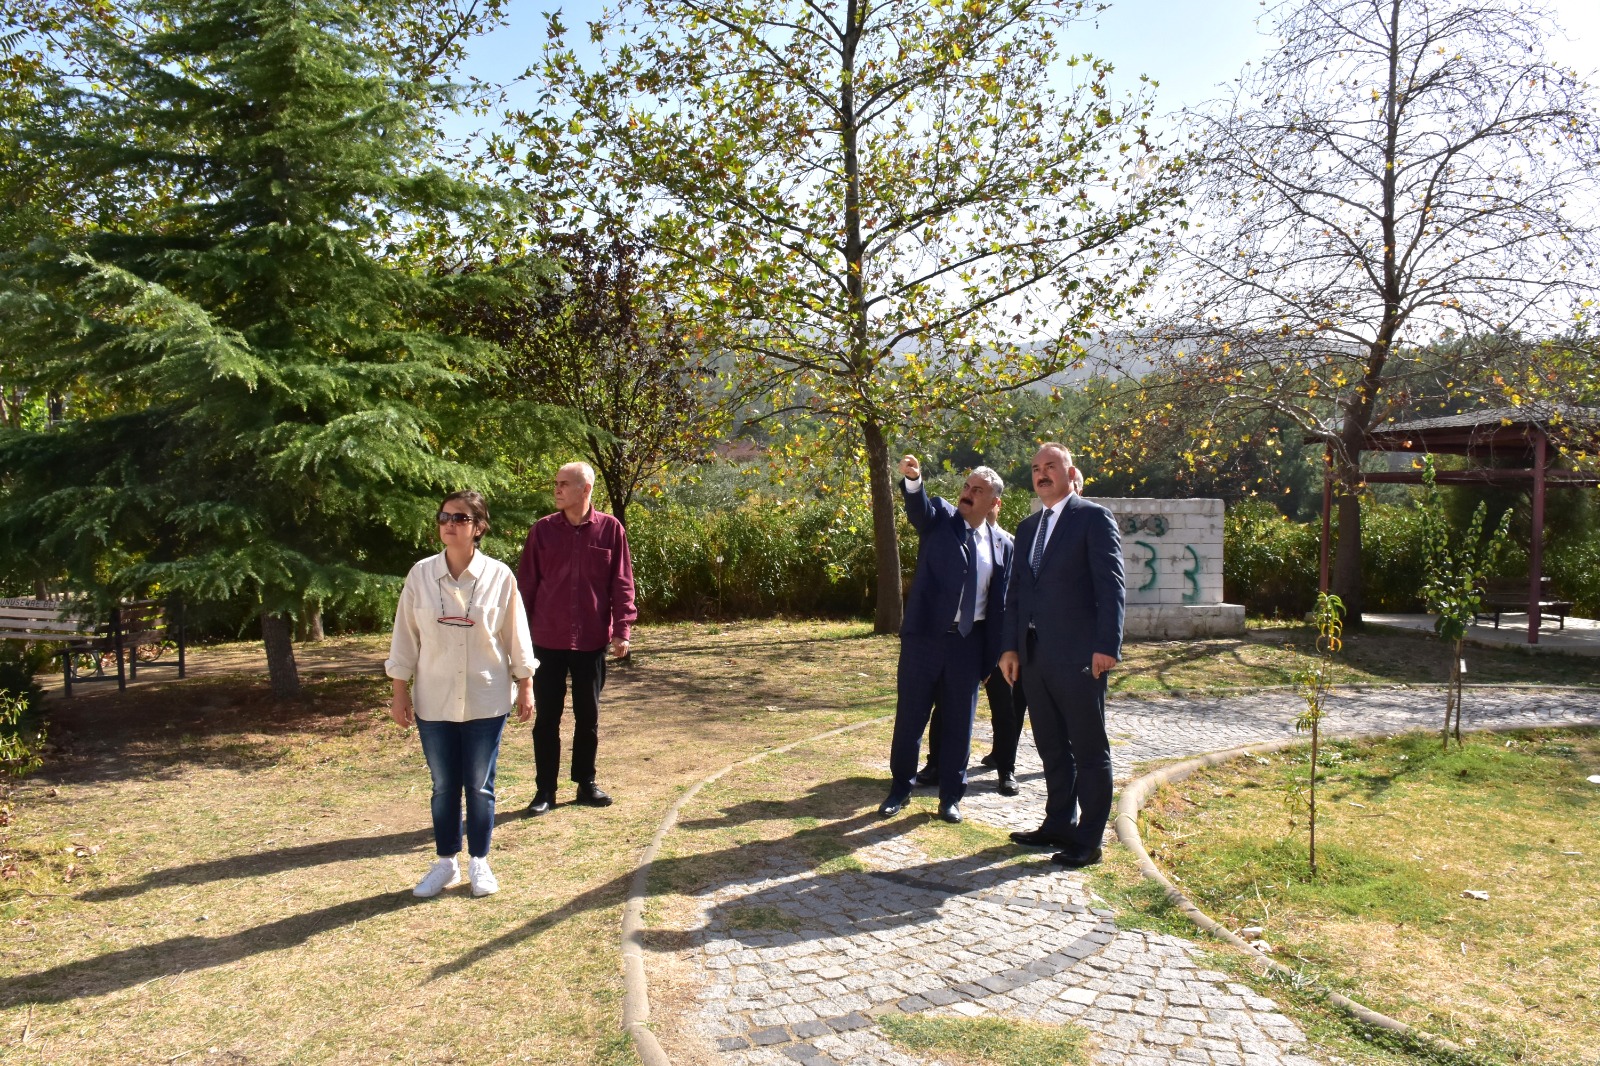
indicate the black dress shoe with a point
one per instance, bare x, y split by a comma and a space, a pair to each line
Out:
1008, 785
950, 813
590, 796
988, 760
1073, 859
928, 775
1034, 838
892, 806
542, 803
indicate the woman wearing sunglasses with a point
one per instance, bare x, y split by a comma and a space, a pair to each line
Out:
459, 659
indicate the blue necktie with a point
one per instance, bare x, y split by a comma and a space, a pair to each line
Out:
969, 587
1036, 556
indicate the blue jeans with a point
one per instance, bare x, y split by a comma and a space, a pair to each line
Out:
461, 757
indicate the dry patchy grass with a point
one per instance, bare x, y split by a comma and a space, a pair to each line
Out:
203, 875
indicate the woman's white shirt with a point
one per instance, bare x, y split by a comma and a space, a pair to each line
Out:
460, 673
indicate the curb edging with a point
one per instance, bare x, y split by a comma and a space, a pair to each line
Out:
635, 985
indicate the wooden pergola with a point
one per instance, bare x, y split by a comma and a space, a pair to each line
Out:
1512, 446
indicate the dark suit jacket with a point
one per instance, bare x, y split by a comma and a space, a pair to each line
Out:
942, 569
1076, 602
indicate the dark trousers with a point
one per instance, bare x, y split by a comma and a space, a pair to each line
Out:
1068, 710
1008, 708
943, 669
461, 758
588, 672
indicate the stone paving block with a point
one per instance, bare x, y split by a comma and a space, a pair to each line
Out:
853, 1020
913, 1004
1156, 1036
808, 1030
731, 1043
773, 1034
941, 997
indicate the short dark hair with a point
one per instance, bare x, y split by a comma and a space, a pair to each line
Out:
473, 502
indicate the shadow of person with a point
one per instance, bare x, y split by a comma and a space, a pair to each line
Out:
832, 799
276, 861
185, 954
851, 901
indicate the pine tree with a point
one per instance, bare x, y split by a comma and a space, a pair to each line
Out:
283, 418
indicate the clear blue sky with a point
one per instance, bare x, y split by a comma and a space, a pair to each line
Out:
1190, 46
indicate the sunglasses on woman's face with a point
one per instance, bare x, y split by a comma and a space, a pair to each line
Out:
453, 518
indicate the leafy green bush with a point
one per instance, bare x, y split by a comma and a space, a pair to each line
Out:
22, 726
1574, 569
1269, 563
757, 557
1393, 558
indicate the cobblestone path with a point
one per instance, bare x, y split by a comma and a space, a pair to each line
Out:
984, 936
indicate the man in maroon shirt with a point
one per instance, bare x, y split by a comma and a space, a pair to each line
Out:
576, 580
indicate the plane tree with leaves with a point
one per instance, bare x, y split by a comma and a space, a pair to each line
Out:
1388, 206
900, 207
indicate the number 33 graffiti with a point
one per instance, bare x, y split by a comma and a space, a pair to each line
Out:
1191, 573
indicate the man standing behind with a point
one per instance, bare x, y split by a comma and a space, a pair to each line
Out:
949, 639
1007, 708
1062, 635
576, 580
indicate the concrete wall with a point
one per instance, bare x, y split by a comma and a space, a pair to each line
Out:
1172, 558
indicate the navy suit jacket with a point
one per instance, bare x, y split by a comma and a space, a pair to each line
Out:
942, 570
1076, 603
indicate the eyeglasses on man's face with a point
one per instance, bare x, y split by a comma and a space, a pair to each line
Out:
453, 518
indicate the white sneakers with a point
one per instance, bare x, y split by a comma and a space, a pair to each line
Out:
446, 873
440, 876
482, 878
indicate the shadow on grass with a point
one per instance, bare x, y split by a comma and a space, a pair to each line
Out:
905, 897
872, 900
118, 970
278, 860
147, 733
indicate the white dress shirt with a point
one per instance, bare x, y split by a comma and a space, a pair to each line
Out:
1055, 510
983, 539
460, 673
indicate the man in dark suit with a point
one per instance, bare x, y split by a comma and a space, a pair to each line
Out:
950, 638
1008, 709
1062, 634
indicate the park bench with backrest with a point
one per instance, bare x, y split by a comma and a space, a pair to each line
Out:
1510, 595
136, 633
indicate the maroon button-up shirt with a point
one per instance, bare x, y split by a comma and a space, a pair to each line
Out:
577, 582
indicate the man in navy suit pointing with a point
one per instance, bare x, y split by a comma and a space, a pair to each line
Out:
1062, 635
950, 639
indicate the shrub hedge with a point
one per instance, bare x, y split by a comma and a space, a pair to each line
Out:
763, 556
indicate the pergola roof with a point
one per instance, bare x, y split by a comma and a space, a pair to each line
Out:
1491, 433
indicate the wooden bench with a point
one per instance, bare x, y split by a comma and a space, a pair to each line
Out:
137, 634
1510, 595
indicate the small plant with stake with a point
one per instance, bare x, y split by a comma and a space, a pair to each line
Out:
1315, 682
1453, 581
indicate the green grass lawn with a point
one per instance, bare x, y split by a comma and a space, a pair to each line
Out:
1407, 832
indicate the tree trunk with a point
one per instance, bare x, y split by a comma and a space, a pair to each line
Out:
885, 537
309, 629
276, 634
1347, 556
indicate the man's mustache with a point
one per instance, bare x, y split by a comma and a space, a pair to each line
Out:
966, 501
